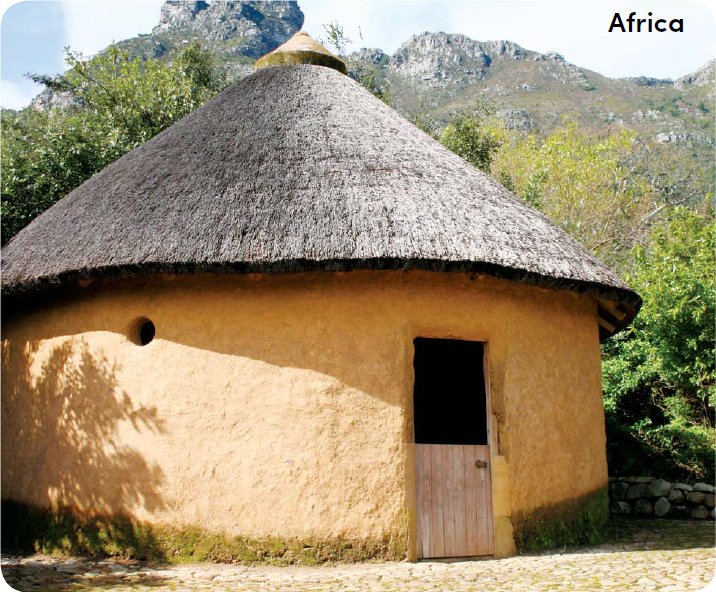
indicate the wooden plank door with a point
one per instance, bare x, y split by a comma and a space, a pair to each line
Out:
454, 487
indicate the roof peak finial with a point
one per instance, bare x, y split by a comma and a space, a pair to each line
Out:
301, 49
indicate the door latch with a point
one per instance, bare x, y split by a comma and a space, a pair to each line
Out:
481, 464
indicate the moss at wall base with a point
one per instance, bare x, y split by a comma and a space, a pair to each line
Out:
29, 529
580, 521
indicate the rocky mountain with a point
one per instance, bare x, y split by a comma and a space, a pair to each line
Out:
439, 60
437, 74
703, 77
237, 32
253, 27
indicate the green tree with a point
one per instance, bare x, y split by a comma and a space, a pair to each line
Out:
137, 98
659, 374
606, 190
475, 135
44, 156
124, 101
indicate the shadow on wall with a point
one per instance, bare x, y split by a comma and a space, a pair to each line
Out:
63, 417
343, 326
304, 321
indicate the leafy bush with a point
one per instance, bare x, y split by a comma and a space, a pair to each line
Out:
584, 183
475, 135
124, 102
606, 190
659, 374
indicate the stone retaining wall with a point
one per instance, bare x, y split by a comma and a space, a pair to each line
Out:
648, 496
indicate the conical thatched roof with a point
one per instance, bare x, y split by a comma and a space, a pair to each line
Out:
299, 168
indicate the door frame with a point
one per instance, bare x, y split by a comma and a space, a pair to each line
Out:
411, 482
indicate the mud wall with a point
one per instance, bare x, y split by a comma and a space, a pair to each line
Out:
283, 404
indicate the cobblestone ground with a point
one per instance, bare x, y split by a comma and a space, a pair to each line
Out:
661, 555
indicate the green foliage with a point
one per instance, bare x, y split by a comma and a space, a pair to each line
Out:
29, 529
137, 98
606, 190
474, 135
578, 180
659, 374
44, 156
670, 106
366, 76
123, 101
336, 38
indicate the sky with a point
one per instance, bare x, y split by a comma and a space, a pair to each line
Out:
34, 33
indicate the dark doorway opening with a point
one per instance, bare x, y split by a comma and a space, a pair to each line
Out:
449, 396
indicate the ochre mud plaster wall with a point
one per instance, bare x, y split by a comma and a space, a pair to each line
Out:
283, 404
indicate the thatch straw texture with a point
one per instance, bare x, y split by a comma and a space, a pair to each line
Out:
297, 168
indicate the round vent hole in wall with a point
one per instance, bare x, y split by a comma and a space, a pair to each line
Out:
142, 331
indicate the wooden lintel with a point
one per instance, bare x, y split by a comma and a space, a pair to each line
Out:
613, 309
608, 316
607, 325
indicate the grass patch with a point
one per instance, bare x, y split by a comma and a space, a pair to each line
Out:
28, 529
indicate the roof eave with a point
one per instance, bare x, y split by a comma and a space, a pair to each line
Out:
617, 307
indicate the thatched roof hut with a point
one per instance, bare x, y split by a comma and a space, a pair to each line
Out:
299, 172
